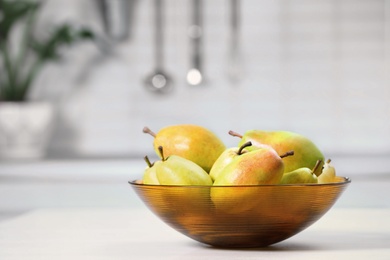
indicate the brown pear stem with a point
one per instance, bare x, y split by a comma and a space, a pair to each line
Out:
160, 150
146, 158
242, 147
328, 161
232, 133
289, 153
147, 130
315, 168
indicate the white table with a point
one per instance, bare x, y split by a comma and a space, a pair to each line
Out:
135, 233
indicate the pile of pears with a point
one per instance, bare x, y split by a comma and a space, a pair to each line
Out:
194, 155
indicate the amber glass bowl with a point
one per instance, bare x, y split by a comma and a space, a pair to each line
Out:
240, 216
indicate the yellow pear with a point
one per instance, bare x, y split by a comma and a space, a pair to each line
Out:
262, 166
328, 173
257, 167
227, 157
193, 142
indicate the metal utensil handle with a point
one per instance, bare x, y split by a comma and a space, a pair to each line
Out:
235, 24
197, 25
158, 33
103, 12
234, 68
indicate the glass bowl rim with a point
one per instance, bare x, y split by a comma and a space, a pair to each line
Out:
344, 181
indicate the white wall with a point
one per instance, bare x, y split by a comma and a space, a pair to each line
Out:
316, 67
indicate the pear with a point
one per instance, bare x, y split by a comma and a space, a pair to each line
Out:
328, 173
226, 157
301, 175
193, 142
306, 153
176, 170
260, 166
150, 176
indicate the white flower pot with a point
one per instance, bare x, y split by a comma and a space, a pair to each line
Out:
25, 129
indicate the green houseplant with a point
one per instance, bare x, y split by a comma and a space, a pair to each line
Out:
22, 57
18, 70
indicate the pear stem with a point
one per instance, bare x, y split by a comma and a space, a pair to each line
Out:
242, 147
147, 130
232, 133
328, 161
315, 168
289, 153
160, 150
146, 158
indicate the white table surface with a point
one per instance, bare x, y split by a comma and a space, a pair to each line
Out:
135, 233
86, 210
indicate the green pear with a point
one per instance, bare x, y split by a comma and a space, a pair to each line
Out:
301, 175
328, 173
150, 176
176, 170
306, 153
193, 142
226, 157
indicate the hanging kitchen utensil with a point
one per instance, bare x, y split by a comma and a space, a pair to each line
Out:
159, 81
116, 16
195, 75
234, 63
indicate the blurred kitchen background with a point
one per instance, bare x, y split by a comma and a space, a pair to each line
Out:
320, 68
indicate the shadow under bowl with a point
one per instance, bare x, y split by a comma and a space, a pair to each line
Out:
240, 216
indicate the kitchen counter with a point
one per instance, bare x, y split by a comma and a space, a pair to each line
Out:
31, 185
85, 209
126, 233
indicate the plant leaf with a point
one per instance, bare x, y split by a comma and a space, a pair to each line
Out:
11, 12
62, 35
